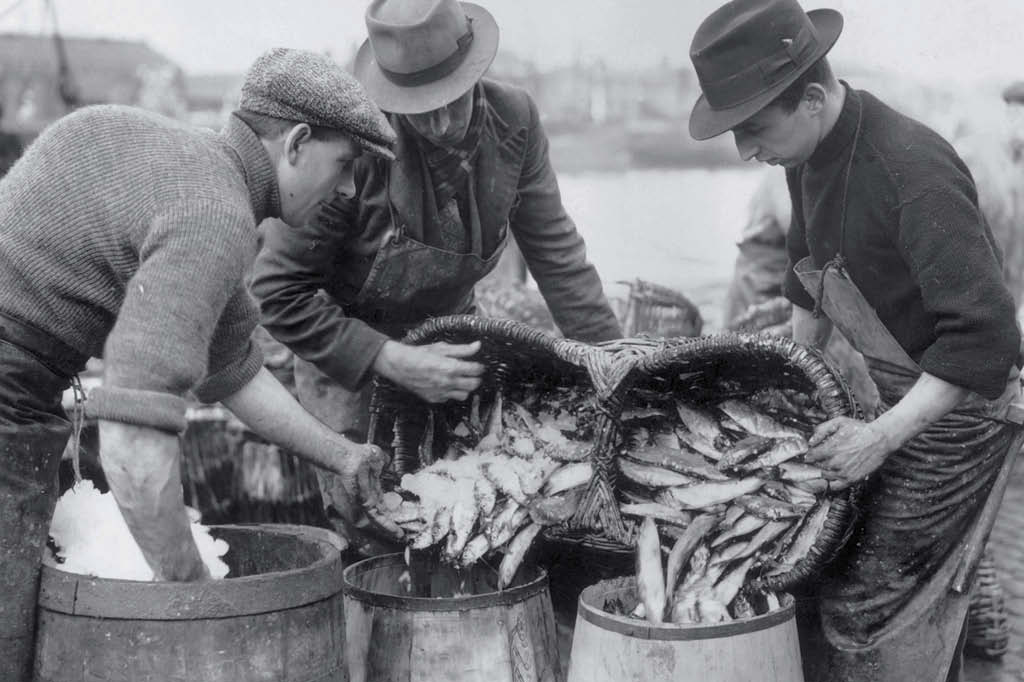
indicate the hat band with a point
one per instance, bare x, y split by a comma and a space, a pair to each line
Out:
438, 71
752, 81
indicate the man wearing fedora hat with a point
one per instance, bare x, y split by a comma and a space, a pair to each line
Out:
417, 234
127, 235
888, 245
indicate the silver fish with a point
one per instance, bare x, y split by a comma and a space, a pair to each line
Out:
769, 508
756, 422
698, 422
730, 584
741, 451
798, 471
698, 444
680, 461
685, 547
804, 540
745, 526
652, 477
659, 512
650, 578
568, 477
706, 494
475, 550
782, 451
515, 553
769, 532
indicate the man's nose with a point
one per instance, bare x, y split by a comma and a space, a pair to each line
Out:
746, 148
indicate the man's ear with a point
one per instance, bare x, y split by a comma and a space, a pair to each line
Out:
814, 98
299, 135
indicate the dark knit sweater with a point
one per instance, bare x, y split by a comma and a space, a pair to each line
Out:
127, 235
916, 243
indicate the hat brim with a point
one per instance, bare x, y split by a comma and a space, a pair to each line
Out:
399, 99
706, 122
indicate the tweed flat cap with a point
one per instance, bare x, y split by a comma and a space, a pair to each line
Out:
312, 88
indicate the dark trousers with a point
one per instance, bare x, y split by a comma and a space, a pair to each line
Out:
33, 433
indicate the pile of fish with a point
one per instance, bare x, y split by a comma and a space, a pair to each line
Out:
499, 484
725, 485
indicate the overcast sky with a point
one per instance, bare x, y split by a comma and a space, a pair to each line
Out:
965, 40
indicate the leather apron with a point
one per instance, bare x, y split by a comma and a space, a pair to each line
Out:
918, 642
408, 282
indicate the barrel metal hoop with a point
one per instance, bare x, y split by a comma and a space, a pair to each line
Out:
81, 595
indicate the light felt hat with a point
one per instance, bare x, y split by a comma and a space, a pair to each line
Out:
747, 52
424, 54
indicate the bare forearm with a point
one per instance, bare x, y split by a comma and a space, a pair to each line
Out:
142, 467
270, 410
811, 331
930, 399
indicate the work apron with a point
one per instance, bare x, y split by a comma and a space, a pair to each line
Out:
887, 610
408, 282
33, 432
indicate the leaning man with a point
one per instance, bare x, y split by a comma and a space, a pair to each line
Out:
888, 245
127, 235
417, 234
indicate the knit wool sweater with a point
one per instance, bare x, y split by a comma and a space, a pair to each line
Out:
127, 235
915, 243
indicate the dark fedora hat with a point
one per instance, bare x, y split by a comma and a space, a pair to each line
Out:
748, 52
423, 54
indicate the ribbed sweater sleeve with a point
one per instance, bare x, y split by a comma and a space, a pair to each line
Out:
234, 358
190, 261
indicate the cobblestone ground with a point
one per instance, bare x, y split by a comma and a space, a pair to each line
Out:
1007, 543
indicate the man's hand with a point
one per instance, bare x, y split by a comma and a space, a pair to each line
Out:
359, 472
142, 467
848, 450
436, 373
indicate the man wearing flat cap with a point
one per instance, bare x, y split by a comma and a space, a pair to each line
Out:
888, 245
126, 235
415, 235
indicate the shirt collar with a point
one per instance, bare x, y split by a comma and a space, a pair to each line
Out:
255, 164
842, 133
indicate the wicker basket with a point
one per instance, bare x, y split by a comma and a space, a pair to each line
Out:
988, 630
714, 368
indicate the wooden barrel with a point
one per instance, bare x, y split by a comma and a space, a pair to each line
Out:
506, 636
277, 616
611, 648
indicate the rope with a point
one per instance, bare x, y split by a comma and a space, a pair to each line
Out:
77, 424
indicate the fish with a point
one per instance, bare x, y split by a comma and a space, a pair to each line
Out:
701, 495
769, 508
640, 611
778, 490
568, 477
555, 509
635, 436
495, 424
503, 475
814, 486
804, 540
533, 475
729, 586
406, 512
464, 515
725, 555
653, 477
502, 518
746, 525
794, 472
732, 515
515, 553
799, 497
658, 512
475, 550
698, 444
666, 439
650, 577
748, 448
569, 451
685, 546
782, 451
697, 570
756, 422
773, 601
699, 422
710, 609
742, 608
682, 462
684, 610
768, 532
638, 413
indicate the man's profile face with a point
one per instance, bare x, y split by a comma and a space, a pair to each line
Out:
778, 137
447, 125
314, 170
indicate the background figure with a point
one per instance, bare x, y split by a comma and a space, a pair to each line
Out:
755, 300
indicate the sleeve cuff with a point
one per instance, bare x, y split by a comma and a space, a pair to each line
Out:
163, 411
